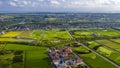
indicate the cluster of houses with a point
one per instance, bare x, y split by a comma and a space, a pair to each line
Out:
65, 58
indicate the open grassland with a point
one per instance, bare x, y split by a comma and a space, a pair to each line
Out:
106, 32
11, 34
93, 60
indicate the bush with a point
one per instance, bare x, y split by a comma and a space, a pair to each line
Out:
1, 52
17, 59
18, 52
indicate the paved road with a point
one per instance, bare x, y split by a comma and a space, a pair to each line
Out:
69, 34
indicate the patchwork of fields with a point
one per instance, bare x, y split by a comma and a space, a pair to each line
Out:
34, 56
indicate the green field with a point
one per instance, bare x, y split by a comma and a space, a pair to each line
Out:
37, 59
110, 44
35, 55
33, 34
111, 54
116, 40
81, 33
106, 32
93, 60
56, 35
11, 34
7, 60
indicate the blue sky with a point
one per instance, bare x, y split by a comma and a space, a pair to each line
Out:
92, 6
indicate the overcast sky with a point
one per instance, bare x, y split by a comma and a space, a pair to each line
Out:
91, 6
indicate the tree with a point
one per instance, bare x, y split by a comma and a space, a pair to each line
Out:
18, 58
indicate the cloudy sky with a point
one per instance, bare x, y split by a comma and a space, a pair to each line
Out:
91, 6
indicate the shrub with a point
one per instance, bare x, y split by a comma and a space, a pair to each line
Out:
18, 52
17, 59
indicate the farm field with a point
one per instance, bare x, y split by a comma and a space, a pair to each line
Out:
11, 40
32, 34
56, 35
105, 32
93, 60
21, 47
26, 34
7, 59
36, 57
81, 33
115, 40
11, 34
110, 44
111, 54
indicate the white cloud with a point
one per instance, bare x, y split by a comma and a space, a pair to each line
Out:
55, 2
13, 4
77, 5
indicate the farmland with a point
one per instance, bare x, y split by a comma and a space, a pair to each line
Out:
11, 34
34, 55
106, 32
81, 34
111, 44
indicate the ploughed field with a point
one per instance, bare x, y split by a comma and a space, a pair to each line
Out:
27, 49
